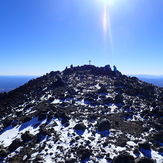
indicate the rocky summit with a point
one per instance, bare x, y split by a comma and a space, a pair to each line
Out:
82, 114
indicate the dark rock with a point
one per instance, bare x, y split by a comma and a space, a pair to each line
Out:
65, 121
155, 110
14, 123
61, 114
4, 152
144, 160
70, 160
15, 159
118, 98
93, 117
7, 121
38, 159
14, 145
41, 116
44, 131
26, 136
102, 90
158, 136
154, 104
123, 158
122, 141
144, 145
51, 99
136, 151
80, 126
59, 82
158, 126
160, 120
18, 113
160, 149
108, 100
86, 154
160, 113
104, 125
26, 119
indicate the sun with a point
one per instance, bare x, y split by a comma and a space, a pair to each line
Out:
107, 2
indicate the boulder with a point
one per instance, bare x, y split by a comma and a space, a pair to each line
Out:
160, 120
104, 125
118, 98
80, 126
124, 157
102, 90
108, 100
4, 152
144, 160
144, 145
86, 154
14, 145
26, 119
59, 82
7, 121
26, 136
70, 160
158, 136
42, 116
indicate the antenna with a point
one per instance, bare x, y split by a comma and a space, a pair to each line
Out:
89, 62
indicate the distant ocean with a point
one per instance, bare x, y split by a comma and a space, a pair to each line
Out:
8, 83
152, 79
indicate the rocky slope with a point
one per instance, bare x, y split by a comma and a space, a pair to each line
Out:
82, 114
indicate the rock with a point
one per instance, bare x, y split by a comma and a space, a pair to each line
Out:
160, 149
26, 136
15, 159
39, 158
108, 100
61, 114
144, 160
118, 98
80, 126
44, 131
86, 154
102, 90
14, 145
160, 120
14, 123
123, 158
157, 126
26, 119
59, 82
158, 136
51, 99
136, 151
104, 125
41, 116
7, 121
144, 145
70, 160
4, 152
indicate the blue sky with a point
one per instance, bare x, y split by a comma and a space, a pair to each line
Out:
39, 36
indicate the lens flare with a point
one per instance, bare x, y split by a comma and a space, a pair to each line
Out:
105, 22
107, 25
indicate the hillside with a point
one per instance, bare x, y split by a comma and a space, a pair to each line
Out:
82, 114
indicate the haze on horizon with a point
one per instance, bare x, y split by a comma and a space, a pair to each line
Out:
42, 36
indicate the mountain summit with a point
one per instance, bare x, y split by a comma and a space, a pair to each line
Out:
82, 114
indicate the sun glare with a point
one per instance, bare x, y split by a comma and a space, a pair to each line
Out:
107, 2
106, 23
